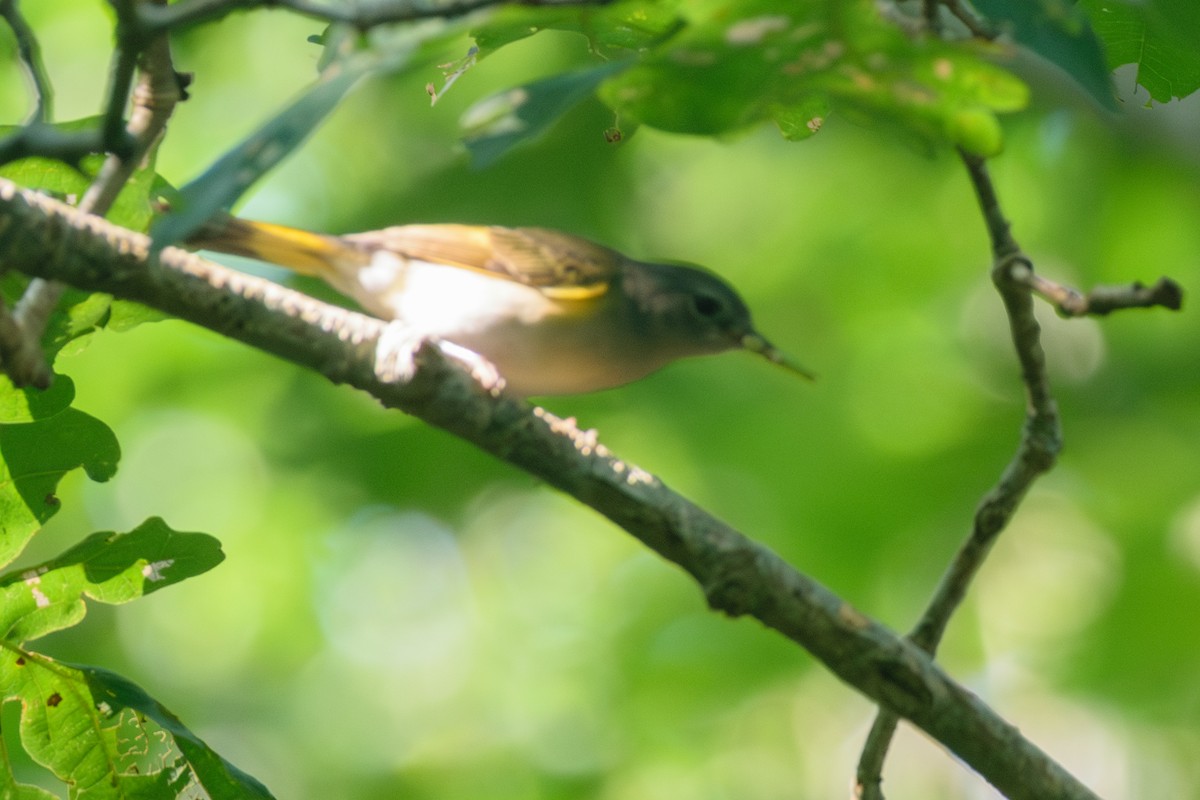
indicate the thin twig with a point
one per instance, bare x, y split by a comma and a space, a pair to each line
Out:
1041, 440
929, 12
40, 139
1041, 437
154, 99
362, 16
1103, 300
973, 23
737, 575
30, 54
21, 352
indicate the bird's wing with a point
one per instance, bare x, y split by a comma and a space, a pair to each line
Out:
557, 264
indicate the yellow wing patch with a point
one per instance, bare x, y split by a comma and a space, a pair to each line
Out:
559, 265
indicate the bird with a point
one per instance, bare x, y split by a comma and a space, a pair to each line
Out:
556, 314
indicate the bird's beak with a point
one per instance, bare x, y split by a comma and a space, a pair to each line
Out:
755, 343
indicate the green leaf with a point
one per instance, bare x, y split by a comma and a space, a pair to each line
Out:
60, 726
105, 737
742, 62
11, 790
219, 778
613, 30
96, 731
106, 566
132, 207
125, 315
36, 455
1058, 31
78, 316
802, 120
498, 123
1159, 36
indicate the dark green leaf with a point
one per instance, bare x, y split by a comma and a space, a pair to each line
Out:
1059, 32
496, 124
1159, 36
389, 50
35, 456
28, 404
232, 174
219, 779
801, 120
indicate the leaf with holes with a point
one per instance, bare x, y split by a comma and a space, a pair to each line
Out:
96, 731
107, 566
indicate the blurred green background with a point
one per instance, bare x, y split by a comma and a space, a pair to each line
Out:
401, 616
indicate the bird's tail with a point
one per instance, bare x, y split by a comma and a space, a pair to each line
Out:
302, 251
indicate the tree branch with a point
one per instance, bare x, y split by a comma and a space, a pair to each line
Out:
739, 577
154, 99
1041, 440
1104, 300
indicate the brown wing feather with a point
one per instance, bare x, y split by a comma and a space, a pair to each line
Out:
558, 264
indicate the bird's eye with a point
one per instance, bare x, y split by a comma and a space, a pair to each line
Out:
706, 305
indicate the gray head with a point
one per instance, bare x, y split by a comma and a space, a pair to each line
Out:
691, 311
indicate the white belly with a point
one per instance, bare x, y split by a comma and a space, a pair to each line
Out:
539, 344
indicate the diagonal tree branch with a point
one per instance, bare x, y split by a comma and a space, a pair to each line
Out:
739, 577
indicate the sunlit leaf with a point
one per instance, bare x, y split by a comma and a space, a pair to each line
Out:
131, 209
29, 404
106, 566
79, 314
751, 61
94, 730
125, 315
36, 455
